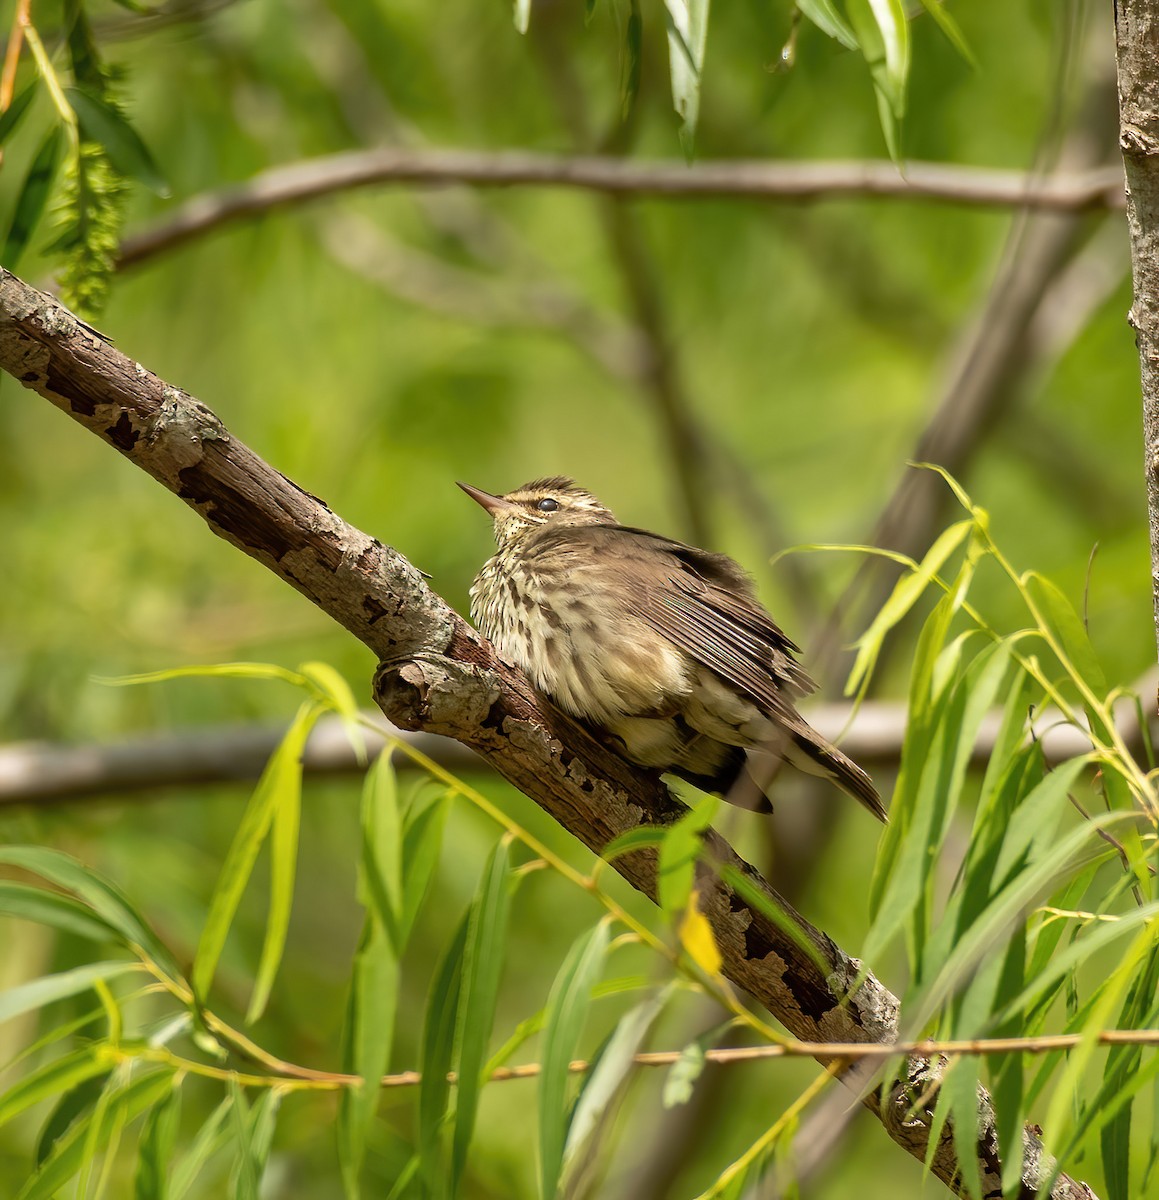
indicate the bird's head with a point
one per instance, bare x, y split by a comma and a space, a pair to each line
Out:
554, 501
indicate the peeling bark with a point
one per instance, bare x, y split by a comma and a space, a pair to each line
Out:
439, 676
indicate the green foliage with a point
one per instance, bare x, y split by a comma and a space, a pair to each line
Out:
807, 340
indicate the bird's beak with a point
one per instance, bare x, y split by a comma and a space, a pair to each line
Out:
493, 504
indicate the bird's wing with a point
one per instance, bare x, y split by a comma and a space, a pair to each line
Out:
706, 604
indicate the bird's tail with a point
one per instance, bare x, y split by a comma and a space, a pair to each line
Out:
808, 751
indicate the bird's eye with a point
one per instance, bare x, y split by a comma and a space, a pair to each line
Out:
547, 504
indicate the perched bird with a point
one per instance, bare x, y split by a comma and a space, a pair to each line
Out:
660, 645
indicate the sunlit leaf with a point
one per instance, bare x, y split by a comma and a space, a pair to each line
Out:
679, 851
642, 837
279, 787
333, 687
687, 22
906, 593
883, 35
697, 938
826, 16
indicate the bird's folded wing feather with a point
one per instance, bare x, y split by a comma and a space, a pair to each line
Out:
707, 605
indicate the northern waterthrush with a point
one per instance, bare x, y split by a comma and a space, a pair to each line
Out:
660, 645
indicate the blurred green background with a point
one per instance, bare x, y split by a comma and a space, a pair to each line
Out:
378, 345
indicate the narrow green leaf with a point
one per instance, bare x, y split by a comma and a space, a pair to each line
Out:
44, 991
256, 1134
946, 23
687, 22
906, 593
82, 49
483, 958
1096, 1017
567, 1009
959, 1091
825, 15
1042, 976
438, 1043
370, 1018
234, 670
33, 197
399, 1188
70, 1153
421, 842
1061, 619
279, 785
603, 1093
69, 1107
679, 851
1123, 1063
286, 798
642, 837
106, 900
105, 124
373, 999
687, 1069
522, 15
156, 1148
51, 908
53, 1079
332, 687
882, 34
924, 811
530, 1026
766, 904
210, 1139
630, 57
380, 867
993, 924
15, 111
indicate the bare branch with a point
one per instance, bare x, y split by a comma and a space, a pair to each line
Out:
441, 677
739, 178
46, 772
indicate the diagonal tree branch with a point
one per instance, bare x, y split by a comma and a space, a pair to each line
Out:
439, 675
